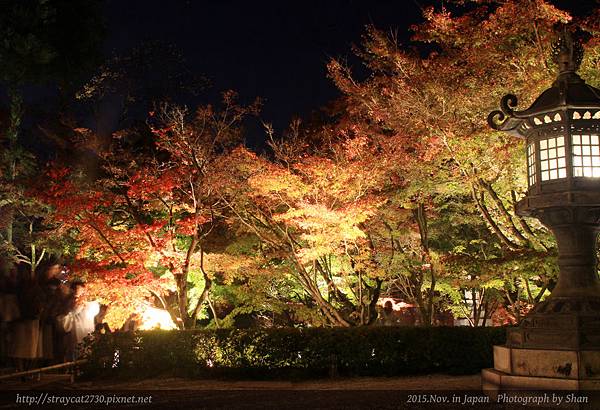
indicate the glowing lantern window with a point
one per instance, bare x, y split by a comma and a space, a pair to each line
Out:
586, 156
552, 158
531, 163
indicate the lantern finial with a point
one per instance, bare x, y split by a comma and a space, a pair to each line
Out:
567, 51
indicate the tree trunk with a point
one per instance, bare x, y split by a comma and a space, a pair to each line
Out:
181, 281
12, 134
426, 306
204, 296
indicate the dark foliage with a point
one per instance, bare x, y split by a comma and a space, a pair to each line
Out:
293, 353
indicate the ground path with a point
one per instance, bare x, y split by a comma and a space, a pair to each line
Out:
427, 382
451, 392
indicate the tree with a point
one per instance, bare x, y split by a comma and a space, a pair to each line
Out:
442, 101
44, 42
311, 206
148, 219
129, 85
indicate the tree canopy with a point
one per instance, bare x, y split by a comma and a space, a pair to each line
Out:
399, 188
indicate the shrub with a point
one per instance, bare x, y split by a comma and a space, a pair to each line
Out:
289, 352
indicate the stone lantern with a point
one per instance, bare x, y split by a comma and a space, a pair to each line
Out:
557, 346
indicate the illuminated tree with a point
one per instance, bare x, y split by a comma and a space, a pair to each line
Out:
442, 101
311, 207
147, 220
44, 42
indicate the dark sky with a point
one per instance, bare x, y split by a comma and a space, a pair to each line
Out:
274, 50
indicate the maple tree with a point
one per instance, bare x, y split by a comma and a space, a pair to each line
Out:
401, 189
144, 223
310, 206
442, 101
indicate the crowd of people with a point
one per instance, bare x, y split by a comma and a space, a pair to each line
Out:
44, 318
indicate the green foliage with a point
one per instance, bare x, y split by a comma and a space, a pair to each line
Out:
287, 352
467, 176
43, 41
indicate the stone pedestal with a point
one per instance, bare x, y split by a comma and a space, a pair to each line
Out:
540, 369
557, 346
560, 323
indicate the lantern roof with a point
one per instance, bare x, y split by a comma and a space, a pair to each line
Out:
569, 91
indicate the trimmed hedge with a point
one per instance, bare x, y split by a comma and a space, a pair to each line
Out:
294, 353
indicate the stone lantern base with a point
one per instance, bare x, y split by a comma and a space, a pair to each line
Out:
557, 347
540, 369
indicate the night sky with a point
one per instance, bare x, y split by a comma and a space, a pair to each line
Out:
277, 51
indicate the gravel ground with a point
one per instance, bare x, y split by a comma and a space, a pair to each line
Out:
439, 392
428, 382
